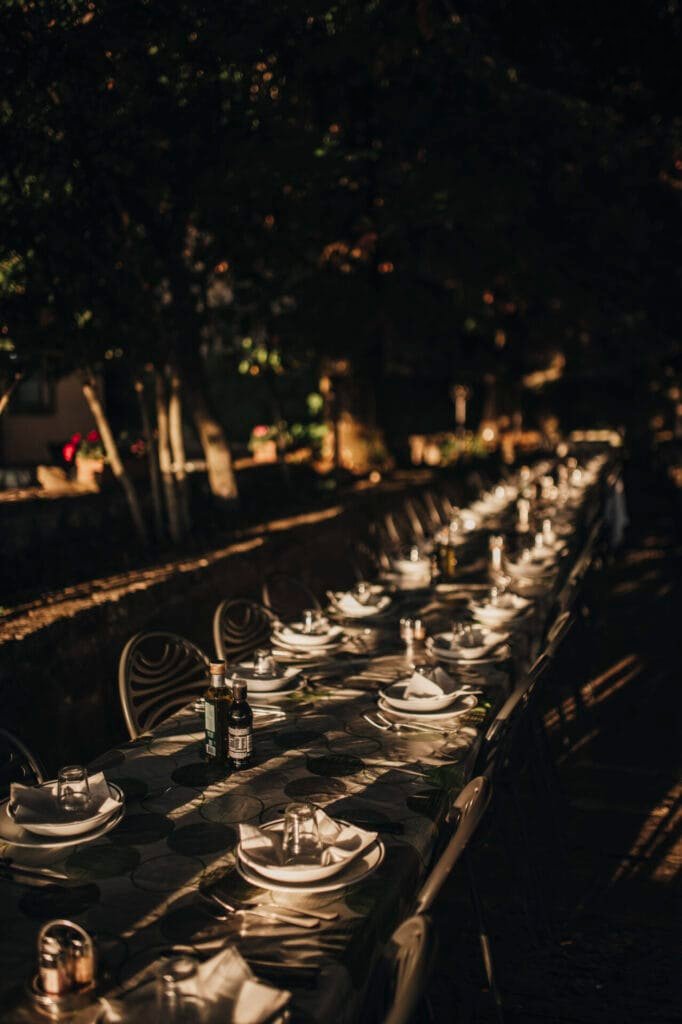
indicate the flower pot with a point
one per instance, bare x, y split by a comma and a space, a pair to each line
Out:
89, 472
265, 451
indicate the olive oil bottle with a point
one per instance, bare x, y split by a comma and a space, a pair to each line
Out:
217, 701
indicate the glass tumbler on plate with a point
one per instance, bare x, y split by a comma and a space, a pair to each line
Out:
177, 998
73, 789
301, 843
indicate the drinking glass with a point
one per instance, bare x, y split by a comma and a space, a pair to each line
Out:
177, 998
309, 617
73, 789
301, 843
263, 662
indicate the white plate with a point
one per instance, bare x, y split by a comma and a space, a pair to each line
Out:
468, 704
18, 836
257, 682
307, 875
358, 869
307, 643
441, 646
64, 829
452, 658
392, 696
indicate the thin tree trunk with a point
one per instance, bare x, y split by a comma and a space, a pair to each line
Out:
152, 459
165, 461
7, 393
113, 455
221, 478
177, 442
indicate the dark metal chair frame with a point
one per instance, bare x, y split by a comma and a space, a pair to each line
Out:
153, 687
241, 626
20, 762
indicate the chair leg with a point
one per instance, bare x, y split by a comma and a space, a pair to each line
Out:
484, 939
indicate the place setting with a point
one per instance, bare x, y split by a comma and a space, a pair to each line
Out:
500, 608
469, 644
72, 809
304, 852
410, 570
363, 601
311, 637
425, 699
267, 677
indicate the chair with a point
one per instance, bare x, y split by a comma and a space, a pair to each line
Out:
416, 518
286, 596
240, 626
158, 673
467, 812
437, 517
17, 764
366, 562
408, 959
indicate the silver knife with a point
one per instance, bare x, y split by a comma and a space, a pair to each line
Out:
236, 907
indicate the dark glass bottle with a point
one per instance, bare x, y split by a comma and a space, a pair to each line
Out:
217, 701
240, 727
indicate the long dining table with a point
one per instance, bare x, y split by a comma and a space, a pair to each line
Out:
140, 890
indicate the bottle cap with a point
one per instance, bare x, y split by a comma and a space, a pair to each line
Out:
239, 687
215, 667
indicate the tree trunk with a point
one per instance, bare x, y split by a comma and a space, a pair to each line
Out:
177, 442
113, 455
152, 459
165, 461
7, 393
221, 478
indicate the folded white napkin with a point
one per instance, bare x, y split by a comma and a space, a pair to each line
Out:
339, 843
420, 685
296, 638
39, 805
489, 641
349, 604
225, 982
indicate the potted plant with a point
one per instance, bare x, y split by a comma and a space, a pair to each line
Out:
263, 443
87, 454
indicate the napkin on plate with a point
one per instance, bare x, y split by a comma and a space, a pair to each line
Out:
296, 638
420, 685
39, 805
406, 567
340, 843
231, 992
490, 641
349, 604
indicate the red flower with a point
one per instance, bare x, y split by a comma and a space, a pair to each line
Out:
76, 438
260, 431
93, 437
69, 451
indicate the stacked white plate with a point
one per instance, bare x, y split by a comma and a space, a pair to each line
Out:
278, 680
493, 647
294, 641
39, 836
309, 878
374, 602
508, 610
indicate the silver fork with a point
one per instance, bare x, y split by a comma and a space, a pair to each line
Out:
384, 725
234, 906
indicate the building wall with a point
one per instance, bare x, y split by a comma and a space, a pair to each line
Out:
26, 438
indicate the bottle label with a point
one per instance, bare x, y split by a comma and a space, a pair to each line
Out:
209, 723
241, 743
209, 716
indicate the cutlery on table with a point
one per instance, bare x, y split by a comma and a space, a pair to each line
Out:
10, 868
237, 907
